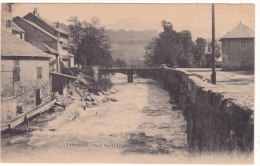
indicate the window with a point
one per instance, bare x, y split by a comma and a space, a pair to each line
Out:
16, 73
8, 23
19, 109
39, 73
9, 8
65, 48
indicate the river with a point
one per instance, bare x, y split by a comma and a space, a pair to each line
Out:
141, 127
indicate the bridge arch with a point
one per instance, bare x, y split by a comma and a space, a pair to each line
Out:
129, 72
143, 72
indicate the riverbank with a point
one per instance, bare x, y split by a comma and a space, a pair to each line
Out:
215, 121
141, 126
236, 85
83, 92
140, 123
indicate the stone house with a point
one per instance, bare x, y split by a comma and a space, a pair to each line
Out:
238, 49
25, 82
6, 16
7, 21
48, 36
62, 83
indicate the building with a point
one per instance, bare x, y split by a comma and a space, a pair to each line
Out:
28, 75
238, 49
48, 36
25, 82
7, 21
6, 14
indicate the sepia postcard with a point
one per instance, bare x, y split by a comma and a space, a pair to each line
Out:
136, 83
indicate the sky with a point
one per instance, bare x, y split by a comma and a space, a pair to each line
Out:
193, 17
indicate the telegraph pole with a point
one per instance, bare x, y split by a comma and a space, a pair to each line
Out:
213, 75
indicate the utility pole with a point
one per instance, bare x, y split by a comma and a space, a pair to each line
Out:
213, 75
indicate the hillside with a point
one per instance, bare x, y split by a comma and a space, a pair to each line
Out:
127, 45
130, 45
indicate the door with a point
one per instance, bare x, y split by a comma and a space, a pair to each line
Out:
38, 97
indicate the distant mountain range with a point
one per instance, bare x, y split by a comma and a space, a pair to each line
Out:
127, 45
130, 45
123, 35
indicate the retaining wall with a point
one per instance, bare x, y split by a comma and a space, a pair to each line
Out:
214, 122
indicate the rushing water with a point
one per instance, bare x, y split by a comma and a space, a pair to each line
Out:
140, 127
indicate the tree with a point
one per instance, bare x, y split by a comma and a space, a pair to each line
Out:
185, 39
76, 35
90, 43
119, 63
150, 56
199, 51
217, 49
171, 47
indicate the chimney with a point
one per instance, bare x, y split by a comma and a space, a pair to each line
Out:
35, 12
58, 24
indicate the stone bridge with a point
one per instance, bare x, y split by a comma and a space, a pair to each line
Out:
130, 72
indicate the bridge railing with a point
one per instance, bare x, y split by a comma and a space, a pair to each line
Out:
90, 68
115, 67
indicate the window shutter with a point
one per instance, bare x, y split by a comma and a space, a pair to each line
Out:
8, 23
16, 73
39, 73
10, 8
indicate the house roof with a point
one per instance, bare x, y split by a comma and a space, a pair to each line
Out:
63, 75
14, 47
17, 28
44, 47
64, 27
51, 50
49, 23
38, 27
240, 31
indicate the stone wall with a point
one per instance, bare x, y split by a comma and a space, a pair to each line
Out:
9, 107
214, 123
24, 90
